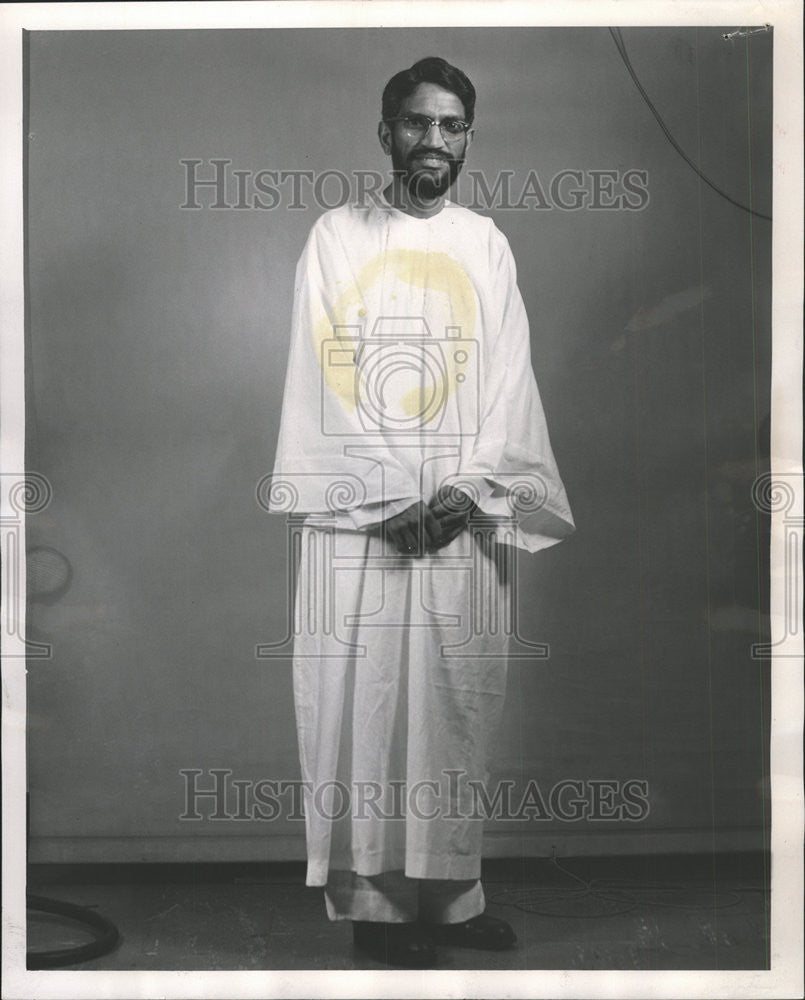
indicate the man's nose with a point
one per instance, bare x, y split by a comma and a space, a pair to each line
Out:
434, 133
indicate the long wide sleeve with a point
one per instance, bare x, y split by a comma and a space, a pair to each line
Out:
512, 452
320, 466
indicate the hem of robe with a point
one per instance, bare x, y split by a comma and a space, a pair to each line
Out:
414, 864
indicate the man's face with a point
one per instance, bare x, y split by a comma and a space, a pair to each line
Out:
429, 164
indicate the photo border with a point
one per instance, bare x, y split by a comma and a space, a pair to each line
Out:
785, 976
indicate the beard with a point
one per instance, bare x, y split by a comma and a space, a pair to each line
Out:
426, 183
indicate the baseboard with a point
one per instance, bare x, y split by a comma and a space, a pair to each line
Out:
497, 844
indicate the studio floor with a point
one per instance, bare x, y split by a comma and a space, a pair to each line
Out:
661, 913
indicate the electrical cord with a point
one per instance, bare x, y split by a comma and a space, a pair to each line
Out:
105, 941
617, 37
608, 897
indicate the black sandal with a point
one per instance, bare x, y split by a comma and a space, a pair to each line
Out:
483, 932
405, 945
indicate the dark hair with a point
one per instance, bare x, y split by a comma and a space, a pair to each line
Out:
429, 70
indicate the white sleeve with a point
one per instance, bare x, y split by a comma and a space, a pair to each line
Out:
315, 469
513, 450
373, 513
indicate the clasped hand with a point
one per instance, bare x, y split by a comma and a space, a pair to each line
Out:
427, 527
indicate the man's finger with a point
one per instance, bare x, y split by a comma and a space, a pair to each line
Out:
448, 502
432, 528
438, 510
408, 543
452, 525
392, 532
450, 530
438, 504
391, 527
450, 536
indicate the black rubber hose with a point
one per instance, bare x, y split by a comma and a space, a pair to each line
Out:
106, 940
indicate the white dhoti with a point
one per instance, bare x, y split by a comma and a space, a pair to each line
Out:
399, 681
392, 898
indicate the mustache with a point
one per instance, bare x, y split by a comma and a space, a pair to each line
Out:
432, 154
411, 159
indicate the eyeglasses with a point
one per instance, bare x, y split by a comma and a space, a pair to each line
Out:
418, 126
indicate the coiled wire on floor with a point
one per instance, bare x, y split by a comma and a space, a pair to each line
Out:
106, 939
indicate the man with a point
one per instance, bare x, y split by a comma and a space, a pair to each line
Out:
414, 440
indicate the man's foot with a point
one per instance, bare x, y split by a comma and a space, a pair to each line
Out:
404, 945
486, 933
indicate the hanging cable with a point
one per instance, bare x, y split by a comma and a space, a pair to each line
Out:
617, 37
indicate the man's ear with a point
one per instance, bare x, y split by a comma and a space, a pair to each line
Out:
384, 135
470, 137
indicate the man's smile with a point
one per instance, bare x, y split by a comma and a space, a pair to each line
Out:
430, 160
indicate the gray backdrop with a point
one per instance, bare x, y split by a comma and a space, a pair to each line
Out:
157, 343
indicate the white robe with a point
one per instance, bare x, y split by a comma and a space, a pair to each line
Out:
409, 368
